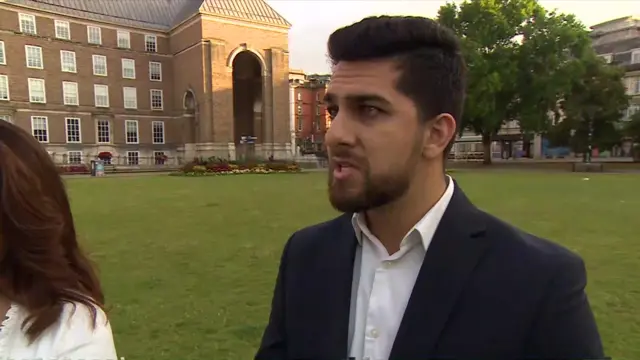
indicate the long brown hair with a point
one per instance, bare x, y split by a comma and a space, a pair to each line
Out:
41, 264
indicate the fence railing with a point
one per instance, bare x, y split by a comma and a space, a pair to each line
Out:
120, 161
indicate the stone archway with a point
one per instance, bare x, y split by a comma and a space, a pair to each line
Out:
247, 95
189, 102
190, 107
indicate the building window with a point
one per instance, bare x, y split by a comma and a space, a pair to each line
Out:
68, 61
101, 95
104, 131
94, 35
133, 157
73, 130
70, 93
299, 120
131, 131
128, 68
150, 43
63, 30
34, 56
27, 24
635, 56
157, 131
4, 88
124, 39
607, 58
74, 157
299, 96
3, 57
155, 71
156, 99
317, 110
130, 95
99, 65
159, 157
40, 128
631, 110
6, 118
299, 110
37, 92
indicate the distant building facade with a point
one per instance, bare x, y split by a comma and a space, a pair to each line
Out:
618, 42
309, 117
181, 79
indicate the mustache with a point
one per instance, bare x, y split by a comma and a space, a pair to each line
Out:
345, 156
343, 153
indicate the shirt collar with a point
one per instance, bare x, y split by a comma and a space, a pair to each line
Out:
425, 228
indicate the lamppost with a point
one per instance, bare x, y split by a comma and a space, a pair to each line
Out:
587, 158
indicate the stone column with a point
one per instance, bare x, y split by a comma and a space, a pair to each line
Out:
205, 123
267, 103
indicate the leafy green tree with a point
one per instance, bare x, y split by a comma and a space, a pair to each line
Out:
520, 59
594, 106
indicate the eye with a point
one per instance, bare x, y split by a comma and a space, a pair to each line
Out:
333, 111
370, 111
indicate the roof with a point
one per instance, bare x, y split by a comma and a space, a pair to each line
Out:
252, 10
612, 21
158, 14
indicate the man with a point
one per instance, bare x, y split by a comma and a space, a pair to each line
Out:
413, 270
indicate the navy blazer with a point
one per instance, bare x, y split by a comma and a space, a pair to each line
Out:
486, 290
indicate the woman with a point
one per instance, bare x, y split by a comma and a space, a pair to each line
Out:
50, 295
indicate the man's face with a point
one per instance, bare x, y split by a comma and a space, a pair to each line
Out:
375, 140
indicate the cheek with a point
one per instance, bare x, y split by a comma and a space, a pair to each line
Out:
387, 157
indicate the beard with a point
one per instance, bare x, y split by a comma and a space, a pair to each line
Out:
365, 191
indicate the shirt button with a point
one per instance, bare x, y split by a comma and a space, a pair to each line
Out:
387, 264
373, 333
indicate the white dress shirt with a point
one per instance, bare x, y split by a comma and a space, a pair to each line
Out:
386, 281
70, 338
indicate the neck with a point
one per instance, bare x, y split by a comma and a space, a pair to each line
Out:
391, 222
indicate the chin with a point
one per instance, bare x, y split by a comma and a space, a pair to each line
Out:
346, 203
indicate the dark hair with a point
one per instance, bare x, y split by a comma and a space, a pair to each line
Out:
41, 264
433, 73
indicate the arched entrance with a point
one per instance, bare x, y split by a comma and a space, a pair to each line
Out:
247, 98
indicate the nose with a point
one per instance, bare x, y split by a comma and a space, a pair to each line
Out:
340, 133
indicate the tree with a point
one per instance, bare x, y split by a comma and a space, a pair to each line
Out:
594, 106
519, 59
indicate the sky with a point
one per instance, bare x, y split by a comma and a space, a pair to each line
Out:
313, 21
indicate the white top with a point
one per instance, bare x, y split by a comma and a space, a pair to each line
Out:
71, 338
386, 282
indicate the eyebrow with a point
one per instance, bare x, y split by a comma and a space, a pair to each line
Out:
329, 98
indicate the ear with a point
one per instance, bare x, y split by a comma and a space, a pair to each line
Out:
438, 133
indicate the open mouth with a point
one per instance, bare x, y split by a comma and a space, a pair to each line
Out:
342, 170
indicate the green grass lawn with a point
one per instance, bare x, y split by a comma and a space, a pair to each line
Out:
188, 264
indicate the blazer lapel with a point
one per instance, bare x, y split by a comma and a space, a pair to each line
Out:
455, 249
333, 295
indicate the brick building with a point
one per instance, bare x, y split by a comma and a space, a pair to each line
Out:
182, 78
310, 118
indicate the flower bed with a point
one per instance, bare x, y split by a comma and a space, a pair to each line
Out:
73, 169
212, 166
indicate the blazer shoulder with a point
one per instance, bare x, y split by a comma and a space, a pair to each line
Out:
526, 246
320, 233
